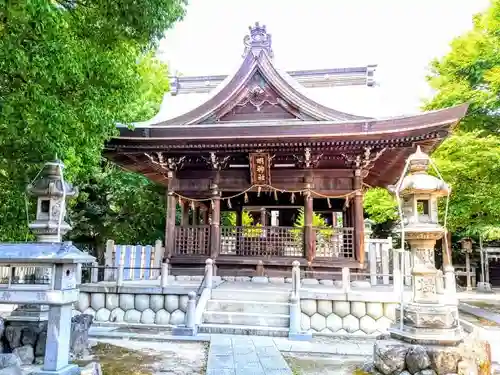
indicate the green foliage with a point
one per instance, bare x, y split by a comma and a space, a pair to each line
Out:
69, 70
118, 205
471, 165
318, 220
380, 205
470, 72
228, 219
470, 159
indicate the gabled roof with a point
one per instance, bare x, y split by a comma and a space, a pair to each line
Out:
262, 107
257, 81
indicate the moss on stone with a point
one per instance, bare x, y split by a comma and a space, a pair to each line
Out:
116, 360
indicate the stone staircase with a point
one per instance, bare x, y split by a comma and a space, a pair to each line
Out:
247, 312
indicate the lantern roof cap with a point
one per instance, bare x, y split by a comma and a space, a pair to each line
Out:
418, 180
51, 182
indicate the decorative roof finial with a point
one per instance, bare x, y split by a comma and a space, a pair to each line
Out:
258, 40
419, 161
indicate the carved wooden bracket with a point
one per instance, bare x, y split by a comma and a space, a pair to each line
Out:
217, 162
364, 161
308, 160
169, 164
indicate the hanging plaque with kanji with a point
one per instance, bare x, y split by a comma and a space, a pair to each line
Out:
260, 169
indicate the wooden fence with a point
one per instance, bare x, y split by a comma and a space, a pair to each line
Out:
143, 262
139, 262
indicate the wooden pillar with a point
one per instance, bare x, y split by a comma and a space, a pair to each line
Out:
309, 240
185, 214
239, 216
359, 222
239, 230
170, 226
215, 223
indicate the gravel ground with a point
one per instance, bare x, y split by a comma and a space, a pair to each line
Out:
170, 358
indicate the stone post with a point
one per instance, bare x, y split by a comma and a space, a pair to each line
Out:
78, 274
209, 271
372, 256
191, 310
296, 277
164, 274
449, 279
94, 273
346, 279
189, 327
294, 314
119, 276
396, 280
56, 359
159, 253
109, 273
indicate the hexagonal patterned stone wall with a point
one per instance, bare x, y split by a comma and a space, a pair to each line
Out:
133, 308
346, 317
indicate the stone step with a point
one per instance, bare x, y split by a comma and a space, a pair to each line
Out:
248, 319
251, 295
232, 329
248, 306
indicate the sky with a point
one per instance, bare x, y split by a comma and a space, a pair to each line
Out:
400, 36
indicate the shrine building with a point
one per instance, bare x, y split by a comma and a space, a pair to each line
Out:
264, 174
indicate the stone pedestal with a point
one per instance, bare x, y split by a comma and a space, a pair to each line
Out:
56, 360
428, 324
393, 357
429, 318
484, 287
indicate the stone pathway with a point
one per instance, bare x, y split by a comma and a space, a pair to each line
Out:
245, 355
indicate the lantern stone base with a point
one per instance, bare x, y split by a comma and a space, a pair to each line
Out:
394, 357
483, 287
67, 370
429, 324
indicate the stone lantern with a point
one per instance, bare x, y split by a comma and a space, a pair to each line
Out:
51, 192
49, 226
427, 318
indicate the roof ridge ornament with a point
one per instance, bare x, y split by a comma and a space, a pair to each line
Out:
258, 39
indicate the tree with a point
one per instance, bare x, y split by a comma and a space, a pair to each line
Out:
118, 205
382, 208
69, 71
380, 205
470, 159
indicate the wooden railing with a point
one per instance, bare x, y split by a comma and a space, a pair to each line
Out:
334, 242
262, 241
192, 240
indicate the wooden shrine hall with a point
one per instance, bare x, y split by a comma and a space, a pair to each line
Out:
264, 174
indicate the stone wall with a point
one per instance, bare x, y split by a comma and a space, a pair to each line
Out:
327, 316
27, 339
145, 308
